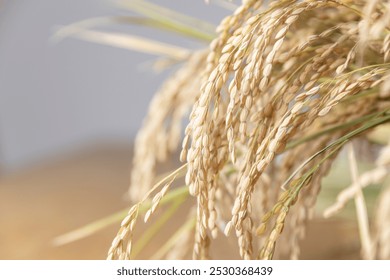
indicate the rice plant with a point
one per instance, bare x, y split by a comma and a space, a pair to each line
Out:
279, 92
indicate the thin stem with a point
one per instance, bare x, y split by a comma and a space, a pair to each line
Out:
171, 19
332, 129
361, 209
189, 225
343, 139
100, 224
156, 226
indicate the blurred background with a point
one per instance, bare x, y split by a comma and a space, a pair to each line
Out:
68, 114
57, 97
69, 111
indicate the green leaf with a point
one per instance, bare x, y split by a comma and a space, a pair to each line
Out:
172, 20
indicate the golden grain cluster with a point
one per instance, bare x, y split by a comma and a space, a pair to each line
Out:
271, 102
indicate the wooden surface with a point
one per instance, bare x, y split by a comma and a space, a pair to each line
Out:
41, 203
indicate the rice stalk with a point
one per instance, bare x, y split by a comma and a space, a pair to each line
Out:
374, 176
100, 224
129, 42
155, 227
254, 107
178, 245
382, 233
270, 103
361, 209
171, 19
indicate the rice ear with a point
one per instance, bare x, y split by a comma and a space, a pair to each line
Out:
274, 98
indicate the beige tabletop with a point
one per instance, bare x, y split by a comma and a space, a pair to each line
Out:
45, 201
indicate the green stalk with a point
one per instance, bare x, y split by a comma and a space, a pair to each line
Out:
100, 224
343, 140
189, 225
334, 128
172, 20
156, 226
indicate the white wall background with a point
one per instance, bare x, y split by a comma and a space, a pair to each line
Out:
54, 98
